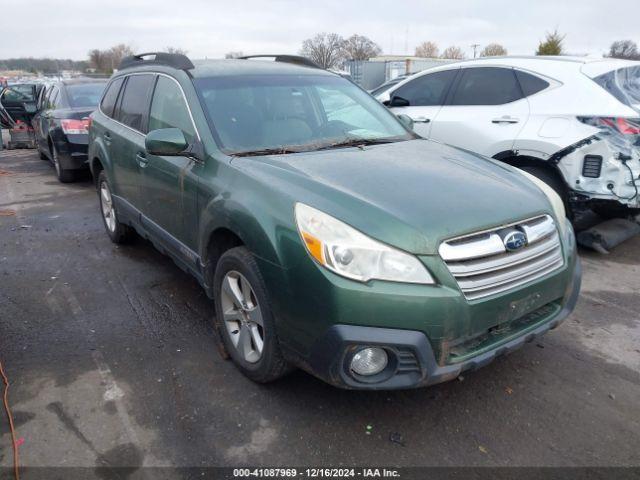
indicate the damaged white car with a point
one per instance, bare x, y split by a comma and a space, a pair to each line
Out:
573, 122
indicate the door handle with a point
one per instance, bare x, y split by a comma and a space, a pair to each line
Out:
421, 120
505, 119
141, 159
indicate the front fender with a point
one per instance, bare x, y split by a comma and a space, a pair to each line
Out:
265, 226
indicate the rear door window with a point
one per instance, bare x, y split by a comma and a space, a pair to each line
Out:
134, 105
53, 98
169, 109
427, 90
487, 86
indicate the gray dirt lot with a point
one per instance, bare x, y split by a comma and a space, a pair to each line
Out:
112, 359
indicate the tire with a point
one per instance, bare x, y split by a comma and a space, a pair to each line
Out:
64, 175
240, 292
42, 155
554, 181
118, 232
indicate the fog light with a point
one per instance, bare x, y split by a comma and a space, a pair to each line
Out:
369, 361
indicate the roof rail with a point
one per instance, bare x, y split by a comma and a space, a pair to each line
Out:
176, 60
295, 59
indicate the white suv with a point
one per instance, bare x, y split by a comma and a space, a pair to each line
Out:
572, 122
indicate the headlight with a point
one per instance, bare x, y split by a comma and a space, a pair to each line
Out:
347, 252
556, 202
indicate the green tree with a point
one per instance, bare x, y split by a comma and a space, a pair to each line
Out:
552, 44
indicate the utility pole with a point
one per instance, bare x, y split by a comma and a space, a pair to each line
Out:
475, 47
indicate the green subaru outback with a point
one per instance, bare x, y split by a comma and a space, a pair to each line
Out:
330, 236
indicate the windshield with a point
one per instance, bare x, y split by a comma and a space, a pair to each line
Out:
85, 94
293, 113
624, 84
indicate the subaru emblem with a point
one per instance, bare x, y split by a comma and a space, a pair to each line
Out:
514, 240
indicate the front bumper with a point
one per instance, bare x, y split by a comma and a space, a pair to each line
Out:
415, 363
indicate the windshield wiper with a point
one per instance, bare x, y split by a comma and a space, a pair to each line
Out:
357, 142
266, 151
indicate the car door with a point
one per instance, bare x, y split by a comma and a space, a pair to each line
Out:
47, 118
484, 113
126, 138
38, 118
169, 184
422, 97
107, 107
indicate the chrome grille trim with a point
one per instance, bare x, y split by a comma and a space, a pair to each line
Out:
482, 266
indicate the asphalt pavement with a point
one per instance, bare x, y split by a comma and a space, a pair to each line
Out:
112, 360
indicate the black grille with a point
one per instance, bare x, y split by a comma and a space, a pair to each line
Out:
407, 361
592, 166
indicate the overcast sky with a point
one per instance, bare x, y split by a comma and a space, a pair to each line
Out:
209, 28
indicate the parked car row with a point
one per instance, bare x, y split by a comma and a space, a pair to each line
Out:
572, 122
331, 236
61, 124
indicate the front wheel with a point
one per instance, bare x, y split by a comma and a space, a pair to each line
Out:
118, 232
244, 318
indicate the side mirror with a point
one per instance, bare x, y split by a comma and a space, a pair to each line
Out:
398, 102
406, 120
169, 142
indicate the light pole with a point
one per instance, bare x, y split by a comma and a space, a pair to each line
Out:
475, 47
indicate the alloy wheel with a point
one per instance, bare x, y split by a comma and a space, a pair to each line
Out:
242, 316
106, 202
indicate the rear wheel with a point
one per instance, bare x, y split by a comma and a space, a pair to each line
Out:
118, 232
64, 175
244, 318
552, 179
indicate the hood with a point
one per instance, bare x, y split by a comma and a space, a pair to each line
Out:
410, 194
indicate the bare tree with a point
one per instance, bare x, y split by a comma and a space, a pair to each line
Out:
493, 50
118, 52
453, 53
626, 49
325, 49
359, 47
551, 45
179, 51
98, 60
427, 49
233, 54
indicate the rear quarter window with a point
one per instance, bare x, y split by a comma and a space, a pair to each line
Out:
530, 84
110, 97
